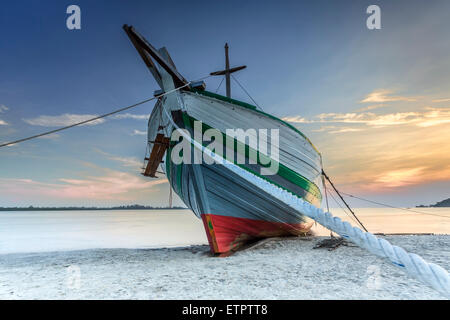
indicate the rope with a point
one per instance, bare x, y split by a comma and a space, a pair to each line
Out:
246, 92
343, 209
99, 117
389, 206
337, 192
337, 202
145, 156
295, 229
429, 273
219, 84
326, 194
170, 196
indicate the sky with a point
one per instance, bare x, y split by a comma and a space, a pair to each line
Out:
376, 103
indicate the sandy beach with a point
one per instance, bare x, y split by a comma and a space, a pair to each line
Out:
277, 269
227, 151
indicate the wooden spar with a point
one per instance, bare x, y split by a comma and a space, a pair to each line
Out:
223, 72
160, 146
227, 71
163, 51
144, 45
147, 59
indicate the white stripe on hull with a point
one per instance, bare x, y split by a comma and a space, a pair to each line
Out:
296, 152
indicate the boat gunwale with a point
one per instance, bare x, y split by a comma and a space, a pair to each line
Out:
312, 189
248, 106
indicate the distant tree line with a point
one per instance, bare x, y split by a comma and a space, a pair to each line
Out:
443, 203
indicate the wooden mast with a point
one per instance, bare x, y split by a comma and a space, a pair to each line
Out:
146, 50
227, 72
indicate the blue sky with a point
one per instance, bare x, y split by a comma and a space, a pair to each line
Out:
367, 98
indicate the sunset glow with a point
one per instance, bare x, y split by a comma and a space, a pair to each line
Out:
375, 103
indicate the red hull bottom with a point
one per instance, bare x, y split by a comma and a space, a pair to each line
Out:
229, 233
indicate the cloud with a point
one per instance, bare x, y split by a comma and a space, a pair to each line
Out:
125, 161
113, 185
371, 107
138, 133
63, 120
383, 151
391, 158
369, 118
400, 178
434, 116
3, 108
296, 119
343, 130
428, 117
68, 119
132, 116
324, 128
382, 95
441, 100
336, 129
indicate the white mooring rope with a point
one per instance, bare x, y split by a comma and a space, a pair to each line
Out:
429, 273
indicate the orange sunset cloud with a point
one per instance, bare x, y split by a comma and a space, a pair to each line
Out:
366, 151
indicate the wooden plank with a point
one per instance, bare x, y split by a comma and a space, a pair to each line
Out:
200, 188
153, 155
178, 79
160, 146
146, 57
223, 72
162, 149
294, 150
163, 51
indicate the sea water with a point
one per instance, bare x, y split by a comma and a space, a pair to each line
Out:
39, 231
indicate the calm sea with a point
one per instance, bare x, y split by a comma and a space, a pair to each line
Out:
37, 231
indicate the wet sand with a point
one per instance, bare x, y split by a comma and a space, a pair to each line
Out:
277, 269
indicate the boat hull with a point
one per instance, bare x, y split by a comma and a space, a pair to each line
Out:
234, 212
226, 233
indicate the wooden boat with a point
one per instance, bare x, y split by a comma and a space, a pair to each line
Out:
233, 212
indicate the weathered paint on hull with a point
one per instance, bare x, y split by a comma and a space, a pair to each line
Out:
230, 233
232, 211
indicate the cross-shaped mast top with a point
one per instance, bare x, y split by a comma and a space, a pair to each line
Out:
227, 72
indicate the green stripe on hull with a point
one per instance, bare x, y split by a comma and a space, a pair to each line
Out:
313, 194
168, 162
178, 168
179, 176
252, 107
